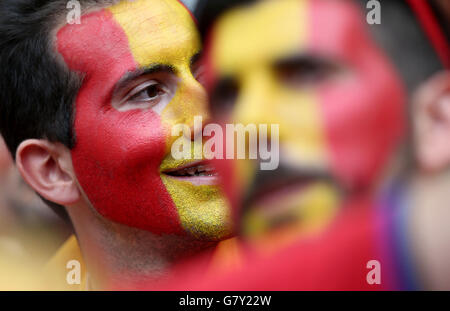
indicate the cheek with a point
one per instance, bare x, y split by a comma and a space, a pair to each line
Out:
363, 116
363, 123
116, 159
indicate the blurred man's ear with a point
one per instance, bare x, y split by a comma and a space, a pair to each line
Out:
431, 122
47, 168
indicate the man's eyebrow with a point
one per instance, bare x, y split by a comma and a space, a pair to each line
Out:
304, 59
132, 75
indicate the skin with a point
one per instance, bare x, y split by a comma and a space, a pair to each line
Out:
6, 171
430, 181
133, 220
320, 82
123, 137
5, 158
24, 221
426, 221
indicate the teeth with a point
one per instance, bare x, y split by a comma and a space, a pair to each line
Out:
200, 170
192, 171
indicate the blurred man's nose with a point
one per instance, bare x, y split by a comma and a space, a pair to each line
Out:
264, 99
256, 101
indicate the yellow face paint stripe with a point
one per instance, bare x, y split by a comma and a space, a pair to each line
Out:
244, 31
162, 31
157, 30
246, 44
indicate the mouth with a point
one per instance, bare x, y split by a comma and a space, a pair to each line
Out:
294, 203
197, 173
270, 188
270, 195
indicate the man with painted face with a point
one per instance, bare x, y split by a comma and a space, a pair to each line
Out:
318, 73
86, 110
317, 69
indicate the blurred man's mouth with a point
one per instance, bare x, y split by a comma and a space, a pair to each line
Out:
288, 197
271, 193
268, 185
196, 172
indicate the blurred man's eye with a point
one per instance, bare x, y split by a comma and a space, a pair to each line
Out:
198, 71
224, 97
198, 68
299, 72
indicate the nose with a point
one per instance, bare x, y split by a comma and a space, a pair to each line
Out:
255, 101
189, 108
263, 99
197, 109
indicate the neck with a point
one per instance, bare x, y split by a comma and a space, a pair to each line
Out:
119, 256
429, 230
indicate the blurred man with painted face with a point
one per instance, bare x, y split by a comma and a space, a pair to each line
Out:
339, 93
87, 109
312, 68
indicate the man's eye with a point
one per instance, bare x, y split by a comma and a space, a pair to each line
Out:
224, 97
298, 73
148, 92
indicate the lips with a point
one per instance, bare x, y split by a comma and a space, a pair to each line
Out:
270, 186
195, 169
198, 173
276, 199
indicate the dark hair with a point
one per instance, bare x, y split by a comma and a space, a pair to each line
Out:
37, 90
404, 41
207, 11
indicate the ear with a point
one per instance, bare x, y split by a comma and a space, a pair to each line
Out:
47, 168
431, 122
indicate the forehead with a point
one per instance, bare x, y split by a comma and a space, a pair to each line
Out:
153, 31
161, 28
274, 29
247, 35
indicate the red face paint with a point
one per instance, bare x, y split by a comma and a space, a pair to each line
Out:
117, 154
360, 111
364, 116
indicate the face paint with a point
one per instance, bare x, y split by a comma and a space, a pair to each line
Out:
316, 72
364, 116
296, 214
122, 146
